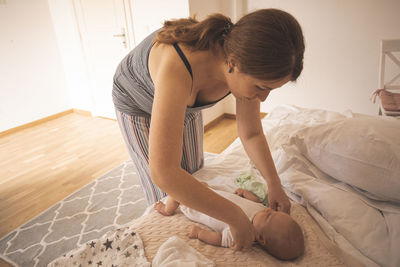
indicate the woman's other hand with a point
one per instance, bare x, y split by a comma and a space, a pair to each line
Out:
243, 233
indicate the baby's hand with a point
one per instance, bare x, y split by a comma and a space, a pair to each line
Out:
240, 192
247, 194
194, 232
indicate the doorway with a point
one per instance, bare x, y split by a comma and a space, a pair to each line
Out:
106, 33
109, 29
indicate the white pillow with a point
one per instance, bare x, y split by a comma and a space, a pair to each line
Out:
363, 151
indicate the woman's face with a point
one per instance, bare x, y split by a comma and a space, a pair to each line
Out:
245, 86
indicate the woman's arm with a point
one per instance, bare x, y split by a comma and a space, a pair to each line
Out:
172, 91
254, 142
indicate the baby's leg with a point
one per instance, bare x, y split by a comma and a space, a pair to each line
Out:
168, 208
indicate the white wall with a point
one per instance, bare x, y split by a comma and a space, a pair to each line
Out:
71, 53
42, 66
149, 15
342, 51
32, 82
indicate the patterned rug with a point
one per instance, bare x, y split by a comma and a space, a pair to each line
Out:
105, 204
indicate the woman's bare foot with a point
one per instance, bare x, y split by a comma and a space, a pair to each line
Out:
194, 232
161, 208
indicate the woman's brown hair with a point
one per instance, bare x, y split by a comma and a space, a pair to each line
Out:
267, 44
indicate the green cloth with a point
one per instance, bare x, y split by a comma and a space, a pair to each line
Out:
247, 181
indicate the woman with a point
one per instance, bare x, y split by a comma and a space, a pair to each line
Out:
161, 86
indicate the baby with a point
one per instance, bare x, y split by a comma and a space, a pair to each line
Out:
275, 231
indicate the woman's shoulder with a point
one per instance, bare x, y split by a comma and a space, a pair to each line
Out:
161, 53
165, 60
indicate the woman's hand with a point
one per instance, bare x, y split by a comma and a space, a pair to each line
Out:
277, 198
243, 233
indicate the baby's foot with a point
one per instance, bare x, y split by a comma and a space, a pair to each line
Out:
160, 207
194, 232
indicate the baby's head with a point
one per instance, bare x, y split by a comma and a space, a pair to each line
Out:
279, 234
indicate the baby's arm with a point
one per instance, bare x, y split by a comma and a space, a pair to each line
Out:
207, 236
247, 195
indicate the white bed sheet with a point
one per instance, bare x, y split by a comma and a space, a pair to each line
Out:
368, 230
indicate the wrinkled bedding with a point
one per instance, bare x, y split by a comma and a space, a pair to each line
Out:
359, 221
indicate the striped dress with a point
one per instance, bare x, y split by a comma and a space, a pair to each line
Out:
133, 93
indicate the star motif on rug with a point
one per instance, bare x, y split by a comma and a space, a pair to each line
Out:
99, 263
92, 244
133, 234
127, 254
135, 246
90, 262
118, 248
108, 244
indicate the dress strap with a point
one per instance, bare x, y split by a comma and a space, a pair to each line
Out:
184, 59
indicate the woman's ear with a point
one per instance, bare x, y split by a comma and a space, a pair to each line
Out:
231, 62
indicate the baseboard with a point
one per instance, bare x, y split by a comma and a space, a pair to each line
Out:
225, 116
88, 113
230, 116
82, 112
43, 120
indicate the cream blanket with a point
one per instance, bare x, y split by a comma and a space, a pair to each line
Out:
155, 229
142, 239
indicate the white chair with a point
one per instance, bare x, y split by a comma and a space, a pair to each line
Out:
389, 90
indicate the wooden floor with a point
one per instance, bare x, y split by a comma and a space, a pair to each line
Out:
220, 136
43, 164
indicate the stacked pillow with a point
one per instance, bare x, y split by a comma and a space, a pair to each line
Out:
363, 151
